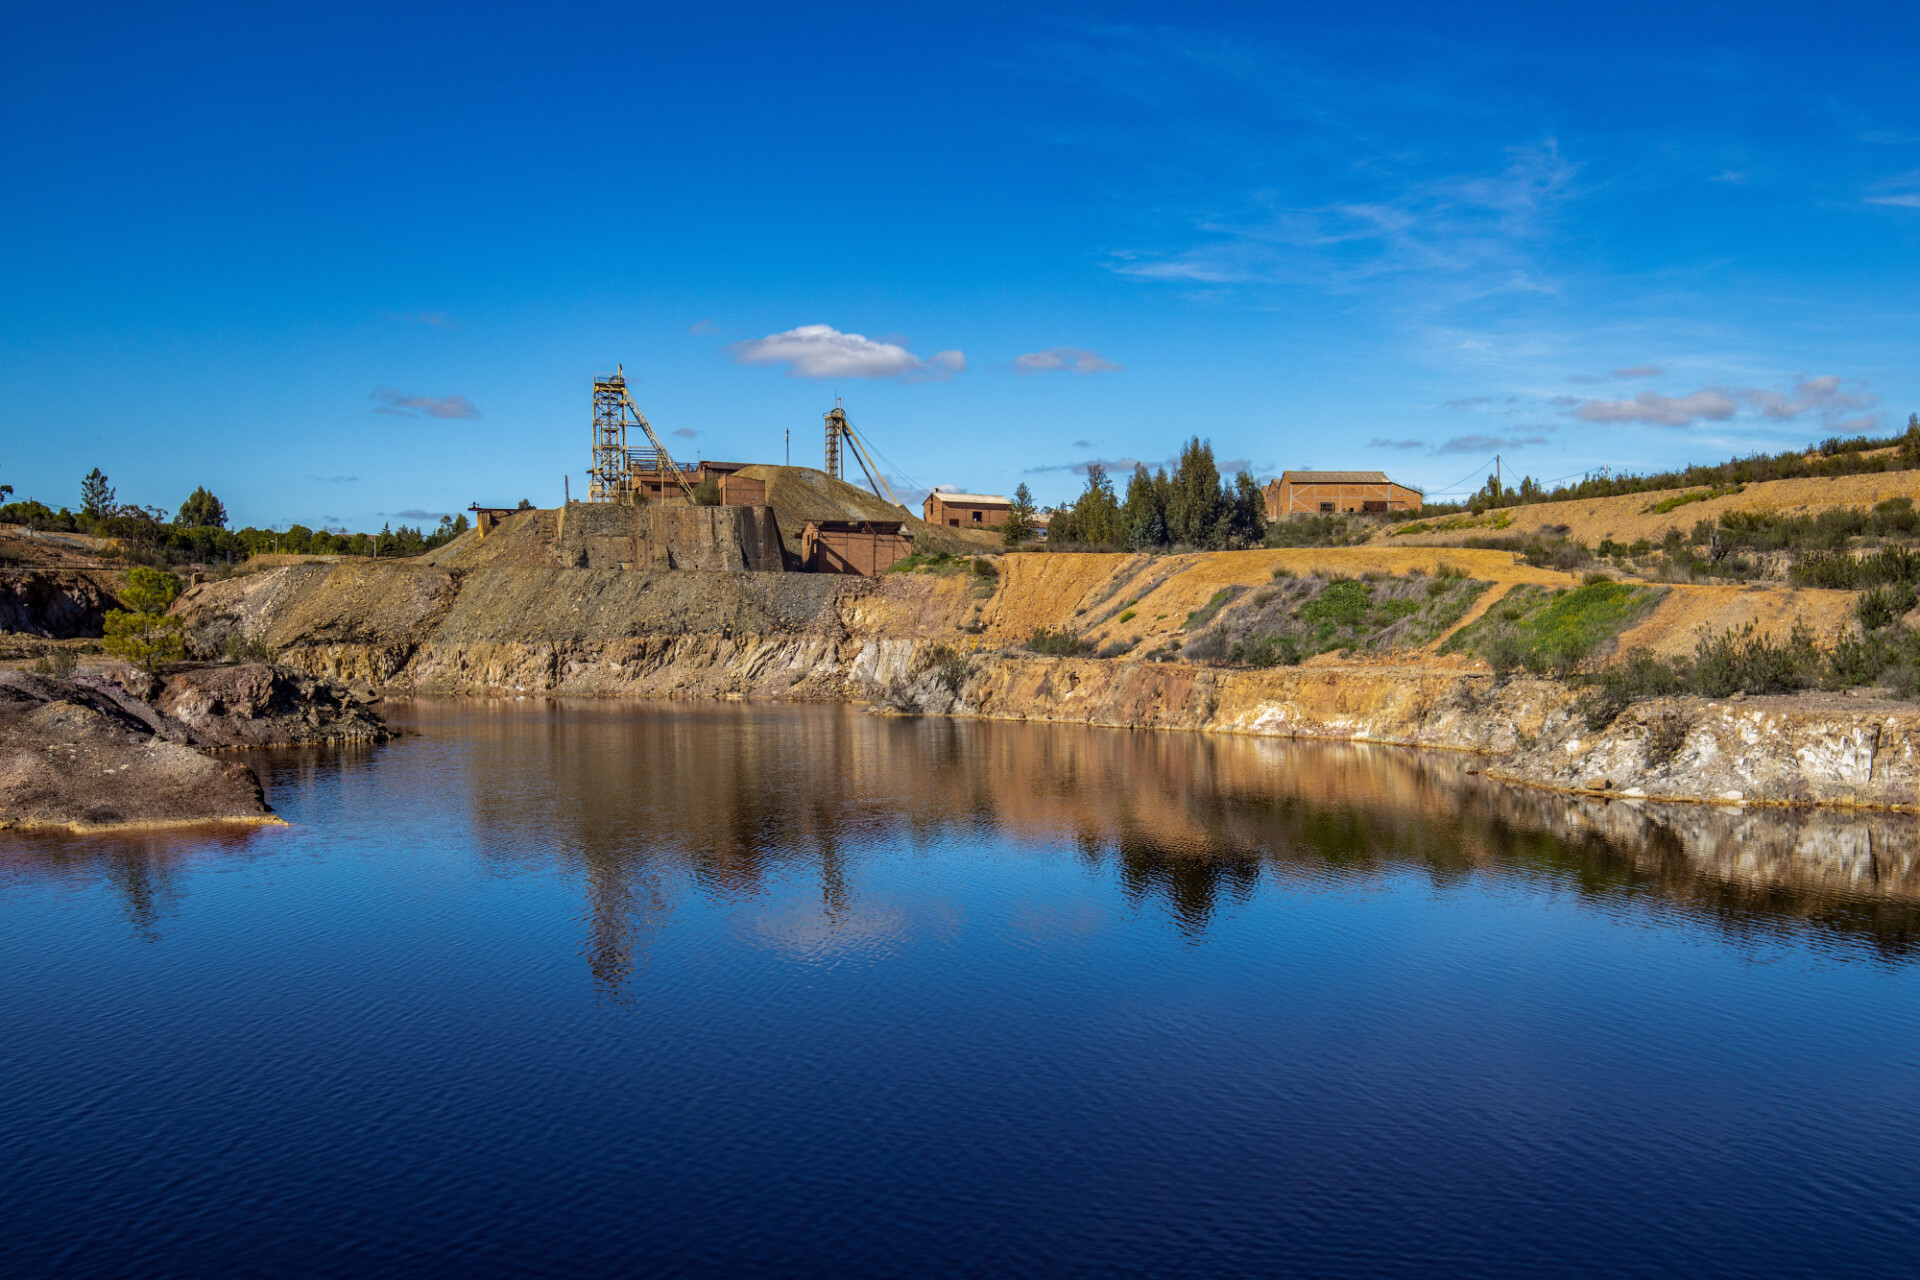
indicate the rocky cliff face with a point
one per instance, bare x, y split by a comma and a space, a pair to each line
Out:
927, 645
56, 603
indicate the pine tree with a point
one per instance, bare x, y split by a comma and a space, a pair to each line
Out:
1019, 526
1096, 514
1196, 509
96, 495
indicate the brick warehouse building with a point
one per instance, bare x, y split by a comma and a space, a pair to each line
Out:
1328, 492
966, 510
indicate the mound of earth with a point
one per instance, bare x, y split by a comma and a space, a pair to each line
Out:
800, 494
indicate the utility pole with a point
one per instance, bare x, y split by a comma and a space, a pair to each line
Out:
788, 434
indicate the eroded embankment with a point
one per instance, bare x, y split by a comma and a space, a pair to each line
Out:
940, 645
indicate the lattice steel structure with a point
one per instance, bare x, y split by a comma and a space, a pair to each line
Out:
839, 429
836, 427
617, 467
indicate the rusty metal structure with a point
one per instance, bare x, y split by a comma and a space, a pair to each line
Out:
621, 471
838, 430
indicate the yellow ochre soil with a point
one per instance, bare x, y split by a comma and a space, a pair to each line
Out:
1626, 518
1088, 593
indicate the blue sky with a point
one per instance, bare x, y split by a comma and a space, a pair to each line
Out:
346, 265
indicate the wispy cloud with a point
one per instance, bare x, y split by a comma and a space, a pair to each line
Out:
1083, 444
433, 319
1825, 398
414, 513
1640, 371
703, 326
1064, 360
1488, 444
336, 479
403, 405
1661, 411
1121, 468
1473, 227
821, 351
1381, 442
685, 433
1902, 191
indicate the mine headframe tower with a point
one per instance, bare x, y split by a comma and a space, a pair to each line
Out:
839, 429
617, 468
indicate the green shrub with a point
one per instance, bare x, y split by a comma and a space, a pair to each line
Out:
240, 649
949, 666
1126, 615
1202, 616
1665, 736
1059, 643
56, 662
1882, 606
1746, 661
1344, 603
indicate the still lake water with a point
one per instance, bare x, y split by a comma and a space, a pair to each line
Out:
724, 990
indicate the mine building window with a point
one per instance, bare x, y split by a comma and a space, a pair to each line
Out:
978, 516
1374, 505
1326, 508
954, 523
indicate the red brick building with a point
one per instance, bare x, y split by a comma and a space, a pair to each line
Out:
861, 547
966, 510
1316, 493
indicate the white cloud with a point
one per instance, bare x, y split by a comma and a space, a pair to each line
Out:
1381, 442
401, 405
1064, 360
1639, 371
686, 433
821, 351
1661, 411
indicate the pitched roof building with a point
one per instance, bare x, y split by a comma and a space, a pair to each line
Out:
1330, 492
966, 510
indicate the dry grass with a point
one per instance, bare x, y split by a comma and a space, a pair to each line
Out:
1626, 518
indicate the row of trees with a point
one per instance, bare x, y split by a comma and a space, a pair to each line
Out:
1835, 456
198, 531
1193, 507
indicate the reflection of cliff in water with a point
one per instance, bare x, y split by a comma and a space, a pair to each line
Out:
142, 870
726, 796
642, 801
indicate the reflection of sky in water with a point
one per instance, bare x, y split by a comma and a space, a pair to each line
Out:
793, 989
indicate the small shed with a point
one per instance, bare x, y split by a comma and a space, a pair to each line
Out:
966, 510
862, 547
486, 519
739, 491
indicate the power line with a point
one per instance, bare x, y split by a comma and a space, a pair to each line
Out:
1463, 479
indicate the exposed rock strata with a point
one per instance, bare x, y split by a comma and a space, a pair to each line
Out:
55, 603
592, 633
